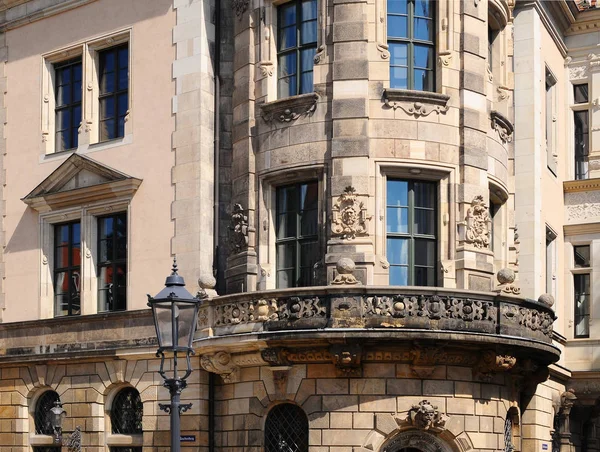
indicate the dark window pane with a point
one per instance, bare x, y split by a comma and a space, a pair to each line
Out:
423, 80
308, 32
76, 117
127, 412
424, 276
123, 79
287, 14
287, 38
397, 193
397, 6
107, 60
580, 93
398, 276
42, 417
63, 95
306, 60
423, 57
424, 222
286, 424
107, 129
399, 54
107, 83
423, 29
285, 279
309, 196
582, 256
77, 91
286, 256
107, 107
397, 26
309, 10
425, 253
424, 194
306, 83
581, 120
308, 222
423, 8
63, 119
397, 251
123, 56
582, 305
287, 65
122, 104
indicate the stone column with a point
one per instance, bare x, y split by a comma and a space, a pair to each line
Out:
193, 107
350, 169
474, 259
242, 267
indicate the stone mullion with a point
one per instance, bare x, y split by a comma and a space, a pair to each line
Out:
350, 147
241, 274
474, 262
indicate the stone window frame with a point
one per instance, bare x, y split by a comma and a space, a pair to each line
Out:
499, 73
267, 192
89, 127
279, 404
498, 195
88, 218
445, 176
570, 315
118, 439
551, 120
36, 439
266, 75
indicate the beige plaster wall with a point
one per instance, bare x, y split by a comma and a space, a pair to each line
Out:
147, 157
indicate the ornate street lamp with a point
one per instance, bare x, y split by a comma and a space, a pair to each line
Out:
175, 313
57, 416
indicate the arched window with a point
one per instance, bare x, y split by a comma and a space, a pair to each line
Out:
411, 33
42, 416
286, 429
126, 413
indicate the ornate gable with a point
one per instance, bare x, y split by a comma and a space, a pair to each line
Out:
80, 180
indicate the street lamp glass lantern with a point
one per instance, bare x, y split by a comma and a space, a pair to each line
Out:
175, 313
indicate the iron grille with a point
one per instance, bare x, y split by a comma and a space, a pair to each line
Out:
126, 414
286, 429
508, 437
43, 420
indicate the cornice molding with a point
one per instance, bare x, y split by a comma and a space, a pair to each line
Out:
581, 229
574, 186
18, 18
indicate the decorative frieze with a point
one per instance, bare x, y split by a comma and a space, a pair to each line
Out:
349, 216
426, 416
416, 103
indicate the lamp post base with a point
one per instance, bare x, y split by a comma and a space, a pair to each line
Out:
175, 408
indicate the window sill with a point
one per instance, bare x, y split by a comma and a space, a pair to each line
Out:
116, 440
41, 440
88, 148
416, 103
290, 108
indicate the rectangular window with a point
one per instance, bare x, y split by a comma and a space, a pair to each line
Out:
581, 283
112, 263
296, 47
411, 31
551, 157
114, 91
411, 232
297, 241
582, 256
67, 106
580, 93
581, 143
67, 269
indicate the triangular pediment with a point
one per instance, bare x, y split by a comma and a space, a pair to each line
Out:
80, 180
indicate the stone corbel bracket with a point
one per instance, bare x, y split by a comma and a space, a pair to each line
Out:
347, 359
502, 125
227, 365
416, 103
490, 363
289, 109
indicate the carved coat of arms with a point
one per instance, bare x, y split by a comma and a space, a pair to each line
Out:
349, 216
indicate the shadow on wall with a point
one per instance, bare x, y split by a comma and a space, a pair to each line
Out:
26, 235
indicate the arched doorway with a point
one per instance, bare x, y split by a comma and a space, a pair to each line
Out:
416, 441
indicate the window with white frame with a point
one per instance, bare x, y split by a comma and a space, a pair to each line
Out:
581, 120
86, 93
581, 289
84, 237
411, 232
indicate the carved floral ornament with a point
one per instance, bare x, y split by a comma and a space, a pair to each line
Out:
477, 224
416, 103
349, 216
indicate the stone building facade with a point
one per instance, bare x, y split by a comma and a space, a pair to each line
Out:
387, 206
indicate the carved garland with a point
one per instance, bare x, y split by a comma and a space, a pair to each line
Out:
416, 103
349, 217
238, 230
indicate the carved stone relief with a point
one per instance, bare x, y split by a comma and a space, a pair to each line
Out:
425, 416
220, 363
384, 52
238, 230
289, 109
345, 268
478, 223
490, 362
578, 72
416, 103
240, 7
506, 278
503, 126
349, 217
582, 205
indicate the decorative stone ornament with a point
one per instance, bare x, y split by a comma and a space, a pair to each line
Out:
238, 230
478, 224
416, 103
506, 278
345, 268
490, 362
502, 125
349, 217
425, 416
220, 363
240, 7
546, 299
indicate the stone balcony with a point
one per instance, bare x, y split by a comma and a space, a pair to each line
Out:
389, 315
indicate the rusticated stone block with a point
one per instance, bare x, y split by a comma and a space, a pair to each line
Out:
351, 70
